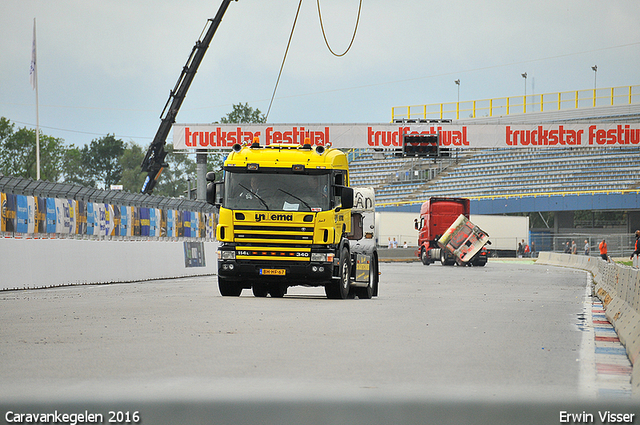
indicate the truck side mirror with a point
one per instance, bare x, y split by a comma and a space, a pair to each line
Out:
215, 192
211, 176
346, 197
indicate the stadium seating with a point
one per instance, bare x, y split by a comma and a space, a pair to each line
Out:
495, 172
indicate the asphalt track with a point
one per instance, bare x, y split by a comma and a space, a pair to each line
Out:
507, 332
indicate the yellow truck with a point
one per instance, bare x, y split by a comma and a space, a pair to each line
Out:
285, 220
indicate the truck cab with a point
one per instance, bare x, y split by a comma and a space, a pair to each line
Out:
436, 216
284, 217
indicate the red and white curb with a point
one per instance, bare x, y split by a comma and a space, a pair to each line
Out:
606, 368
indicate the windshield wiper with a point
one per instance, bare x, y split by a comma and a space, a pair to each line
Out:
255, 194
294, 196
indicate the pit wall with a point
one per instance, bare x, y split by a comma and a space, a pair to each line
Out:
43, 263
618, 287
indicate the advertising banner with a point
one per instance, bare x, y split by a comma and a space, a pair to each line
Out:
224, 136
81, 217
194, 254
8, 207
31, 215
40, 214
145, 221
51, 215
22, 214
125, 221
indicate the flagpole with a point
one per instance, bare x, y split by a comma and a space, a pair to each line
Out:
34, 83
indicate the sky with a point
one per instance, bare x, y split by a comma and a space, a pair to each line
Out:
107, 67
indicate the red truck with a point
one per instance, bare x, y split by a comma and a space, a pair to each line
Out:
437, 215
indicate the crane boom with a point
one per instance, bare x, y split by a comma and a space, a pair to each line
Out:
153, 162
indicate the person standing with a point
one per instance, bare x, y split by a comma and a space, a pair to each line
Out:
574, 247
603, 250
587, 247
637, 245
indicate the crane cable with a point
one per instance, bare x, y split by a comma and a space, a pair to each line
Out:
355, 30
283, 59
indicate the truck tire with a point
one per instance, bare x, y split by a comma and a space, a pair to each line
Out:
259, 290
376, 276
339, 289
424, 257
443, 258
228, 289
371, 289
277, 290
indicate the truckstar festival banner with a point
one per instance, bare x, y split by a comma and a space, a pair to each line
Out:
224, 136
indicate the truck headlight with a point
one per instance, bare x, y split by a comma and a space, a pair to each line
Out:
322, 257
227, 255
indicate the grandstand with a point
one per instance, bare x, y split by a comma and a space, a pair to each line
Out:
495, 172
498, 172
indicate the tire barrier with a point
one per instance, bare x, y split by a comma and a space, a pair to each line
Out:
618, 287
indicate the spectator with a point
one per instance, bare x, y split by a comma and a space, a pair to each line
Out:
567, 248
637, 245
603, 250
395, 243
527, 251
587, 248
533, 250
390, 243
574, 247
405, 244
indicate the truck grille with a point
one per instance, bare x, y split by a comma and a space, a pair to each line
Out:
280, 243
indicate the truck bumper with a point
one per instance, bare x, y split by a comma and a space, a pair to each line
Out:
311, 274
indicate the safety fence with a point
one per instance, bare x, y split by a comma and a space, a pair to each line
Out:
546, 102
618, 287
40, 209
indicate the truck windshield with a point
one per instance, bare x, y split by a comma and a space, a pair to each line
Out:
276, 192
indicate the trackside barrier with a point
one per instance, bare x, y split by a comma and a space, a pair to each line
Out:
618, 287
45, 263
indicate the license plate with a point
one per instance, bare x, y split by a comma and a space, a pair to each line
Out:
273, 272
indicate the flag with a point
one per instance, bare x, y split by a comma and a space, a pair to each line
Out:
32, 70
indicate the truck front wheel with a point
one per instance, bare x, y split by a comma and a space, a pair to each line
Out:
424, 257
339, 289
228, 289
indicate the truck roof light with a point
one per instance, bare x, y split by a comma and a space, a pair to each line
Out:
307, 143
256, 142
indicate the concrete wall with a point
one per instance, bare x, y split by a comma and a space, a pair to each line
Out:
618, 287
41, 263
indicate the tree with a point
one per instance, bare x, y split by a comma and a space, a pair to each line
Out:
73, 170
243, 114
102, 159
132, 179
173, 179
18, 153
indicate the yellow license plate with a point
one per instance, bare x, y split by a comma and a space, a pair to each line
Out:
273, 272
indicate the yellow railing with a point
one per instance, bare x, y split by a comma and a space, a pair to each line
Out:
548, 102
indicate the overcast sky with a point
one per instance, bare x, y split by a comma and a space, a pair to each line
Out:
106, 67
